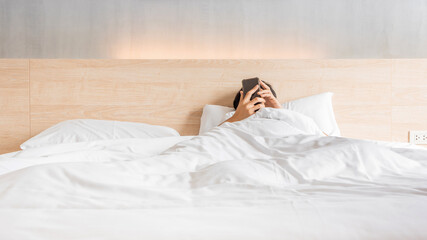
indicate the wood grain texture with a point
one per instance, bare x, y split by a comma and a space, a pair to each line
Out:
14, 104
173, 92
409, 84
362, 96
374, 99
162, 92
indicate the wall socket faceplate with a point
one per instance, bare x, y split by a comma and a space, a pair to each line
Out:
418, 137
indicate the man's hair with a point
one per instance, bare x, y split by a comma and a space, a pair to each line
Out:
237, 98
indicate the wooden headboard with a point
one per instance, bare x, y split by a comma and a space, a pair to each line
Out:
374, 99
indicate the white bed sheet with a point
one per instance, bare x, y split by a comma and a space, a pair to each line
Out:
240, 180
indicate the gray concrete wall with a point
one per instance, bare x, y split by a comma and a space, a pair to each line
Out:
213, 28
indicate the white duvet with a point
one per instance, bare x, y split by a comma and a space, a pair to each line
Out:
271, 176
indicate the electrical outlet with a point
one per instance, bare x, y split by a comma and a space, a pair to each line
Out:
418, 137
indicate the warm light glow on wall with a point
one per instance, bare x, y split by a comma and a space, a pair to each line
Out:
168, 50
267, 29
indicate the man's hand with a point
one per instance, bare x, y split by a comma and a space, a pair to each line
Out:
247, 106
270, 100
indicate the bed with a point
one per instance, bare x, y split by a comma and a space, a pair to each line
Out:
237, 180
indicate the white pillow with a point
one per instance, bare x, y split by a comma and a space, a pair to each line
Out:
212, 116
85, 130
318, 107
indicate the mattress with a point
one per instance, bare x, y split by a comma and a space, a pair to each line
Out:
268, 177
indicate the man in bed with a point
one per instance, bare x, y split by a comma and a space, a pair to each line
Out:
245, 107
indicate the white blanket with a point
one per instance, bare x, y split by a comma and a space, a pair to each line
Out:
271, 176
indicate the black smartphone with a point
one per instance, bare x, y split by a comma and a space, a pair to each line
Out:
248, 84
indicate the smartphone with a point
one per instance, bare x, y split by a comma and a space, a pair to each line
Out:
248, 84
